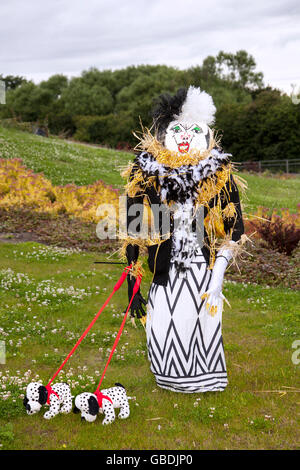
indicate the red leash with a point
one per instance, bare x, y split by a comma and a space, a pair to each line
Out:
50, 391
116, 287
101, 397
136, 287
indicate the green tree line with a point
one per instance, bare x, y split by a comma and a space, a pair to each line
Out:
105, 107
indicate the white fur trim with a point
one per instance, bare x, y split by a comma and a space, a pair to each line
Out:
198, 107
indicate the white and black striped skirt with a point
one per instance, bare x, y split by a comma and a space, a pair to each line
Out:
185, 345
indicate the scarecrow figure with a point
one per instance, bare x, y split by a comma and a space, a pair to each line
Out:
182, 174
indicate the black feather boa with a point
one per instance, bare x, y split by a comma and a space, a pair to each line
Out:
180, 185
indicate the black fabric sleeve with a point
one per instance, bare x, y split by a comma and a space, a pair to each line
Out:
134, 217
134, 222
230, 194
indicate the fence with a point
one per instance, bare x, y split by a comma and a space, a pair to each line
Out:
286, 166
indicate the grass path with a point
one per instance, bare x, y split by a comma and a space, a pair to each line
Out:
40, 324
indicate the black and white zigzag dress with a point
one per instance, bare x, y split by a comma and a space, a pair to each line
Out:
185, 345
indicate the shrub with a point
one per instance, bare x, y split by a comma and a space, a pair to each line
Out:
61, 123
281, 232
111, 130
263, 266
13, 123
21, 187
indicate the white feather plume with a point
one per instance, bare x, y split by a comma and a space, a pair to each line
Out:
198, 107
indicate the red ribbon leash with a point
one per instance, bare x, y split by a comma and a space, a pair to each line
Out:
50, 391
101, 397
135, 290
116, 287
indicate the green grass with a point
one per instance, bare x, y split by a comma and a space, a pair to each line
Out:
41, 318
64, 162
271, 192
259, 331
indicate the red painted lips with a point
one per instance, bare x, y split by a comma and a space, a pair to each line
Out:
183, 147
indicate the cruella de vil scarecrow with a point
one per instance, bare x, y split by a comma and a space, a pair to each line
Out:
182, 174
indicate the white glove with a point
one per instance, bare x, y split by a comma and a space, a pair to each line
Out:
213, 296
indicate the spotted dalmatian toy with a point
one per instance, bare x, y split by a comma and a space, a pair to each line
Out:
90, 404
58, 398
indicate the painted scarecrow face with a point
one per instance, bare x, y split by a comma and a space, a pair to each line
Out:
182, 137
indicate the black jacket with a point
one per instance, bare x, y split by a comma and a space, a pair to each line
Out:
159, 256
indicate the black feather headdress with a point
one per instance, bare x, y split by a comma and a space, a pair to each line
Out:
166, 108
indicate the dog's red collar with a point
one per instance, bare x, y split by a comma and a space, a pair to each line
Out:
50, 391
101, 397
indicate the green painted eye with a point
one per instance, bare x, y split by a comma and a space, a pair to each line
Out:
197, 130
176, 129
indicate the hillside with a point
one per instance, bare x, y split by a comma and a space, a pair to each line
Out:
63, 161
66, 162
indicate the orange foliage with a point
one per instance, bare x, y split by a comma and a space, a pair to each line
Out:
21, 187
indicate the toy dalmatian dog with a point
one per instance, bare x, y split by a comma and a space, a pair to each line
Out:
58, 397
90, 404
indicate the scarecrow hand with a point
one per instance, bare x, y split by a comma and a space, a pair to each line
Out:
137, 305
213, 300
213, 296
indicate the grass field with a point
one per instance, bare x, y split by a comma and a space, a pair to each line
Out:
48, 297
40, 325
61, 161
64, 162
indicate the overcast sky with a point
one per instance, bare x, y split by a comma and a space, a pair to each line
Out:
41, 38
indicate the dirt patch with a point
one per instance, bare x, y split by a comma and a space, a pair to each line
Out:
21, 237
22, 225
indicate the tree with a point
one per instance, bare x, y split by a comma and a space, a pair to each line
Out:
106, 106
19, 102
239, 68
12, 82
30, 102
56, 84
266, 128
87, 100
